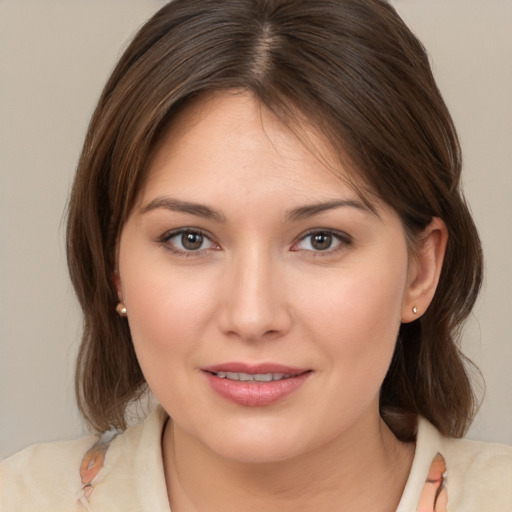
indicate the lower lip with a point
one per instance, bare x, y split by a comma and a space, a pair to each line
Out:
255, 394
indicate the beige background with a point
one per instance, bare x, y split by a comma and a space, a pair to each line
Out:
54, 58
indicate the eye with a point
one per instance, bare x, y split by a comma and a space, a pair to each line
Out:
187, 240
322, 241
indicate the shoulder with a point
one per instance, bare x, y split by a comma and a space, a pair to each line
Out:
457, 475
40, 476
479, 475
100, 473
479, 455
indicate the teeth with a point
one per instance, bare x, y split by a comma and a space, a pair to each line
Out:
253, 377
265, 377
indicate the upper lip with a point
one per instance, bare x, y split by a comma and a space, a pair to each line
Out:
253, 369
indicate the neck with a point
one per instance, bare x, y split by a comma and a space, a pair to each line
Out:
361, 470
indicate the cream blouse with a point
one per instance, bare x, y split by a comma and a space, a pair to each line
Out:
125, 473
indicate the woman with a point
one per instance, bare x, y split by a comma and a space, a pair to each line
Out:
268, 196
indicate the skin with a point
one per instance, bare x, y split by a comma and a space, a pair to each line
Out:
257, 289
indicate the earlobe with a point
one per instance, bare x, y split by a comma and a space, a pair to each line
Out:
424, 270
121, 307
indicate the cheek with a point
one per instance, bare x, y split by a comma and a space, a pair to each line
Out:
359, 306
357, 317
164, 324
166, 309
355, 330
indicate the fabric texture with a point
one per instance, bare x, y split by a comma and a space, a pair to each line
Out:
124, 472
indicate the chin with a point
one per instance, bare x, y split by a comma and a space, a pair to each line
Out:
264, 440
256, 451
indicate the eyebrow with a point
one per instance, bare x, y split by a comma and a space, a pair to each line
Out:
176, 205
305, 212
299, 213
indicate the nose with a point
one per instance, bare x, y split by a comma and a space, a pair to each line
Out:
254, 305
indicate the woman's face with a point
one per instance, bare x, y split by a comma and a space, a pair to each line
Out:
264, 299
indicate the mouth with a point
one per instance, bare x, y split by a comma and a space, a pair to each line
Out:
254, 377
255, 385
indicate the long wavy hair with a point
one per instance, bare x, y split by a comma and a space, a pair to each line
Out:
352, 71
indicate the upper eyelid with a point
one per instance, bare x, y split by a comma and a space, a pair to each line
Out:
335, 232
164, 240
344, 240
340, 235
178, 231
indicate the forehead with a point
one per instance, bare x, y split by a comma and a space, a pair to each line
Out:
233, 139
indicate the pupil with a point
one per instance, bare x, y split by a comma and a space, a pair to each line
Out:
192, 241
321, 241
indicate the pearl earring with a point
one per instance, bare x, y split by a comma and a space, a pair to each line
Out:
121, 309
414, 310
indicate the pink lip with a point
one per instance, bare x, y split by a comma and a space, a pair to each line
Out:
254, 368
255, 394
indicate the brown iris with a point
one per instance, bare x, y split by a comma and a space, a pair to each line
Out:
192, 241
321, 241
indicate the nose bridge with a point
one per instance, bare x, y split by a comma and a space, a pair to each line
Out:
255, 304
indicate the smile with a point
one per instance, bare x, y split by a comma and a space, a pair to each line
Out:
255, 385
255, 377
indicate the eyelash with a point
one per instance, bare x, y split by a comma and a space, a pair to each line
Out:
165, 240
342, 239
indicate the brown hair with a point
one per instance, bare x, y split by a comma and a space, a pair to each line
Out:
356, 73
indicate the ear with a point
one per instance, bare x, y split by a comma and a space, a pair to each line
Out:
424, 270
116, 279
